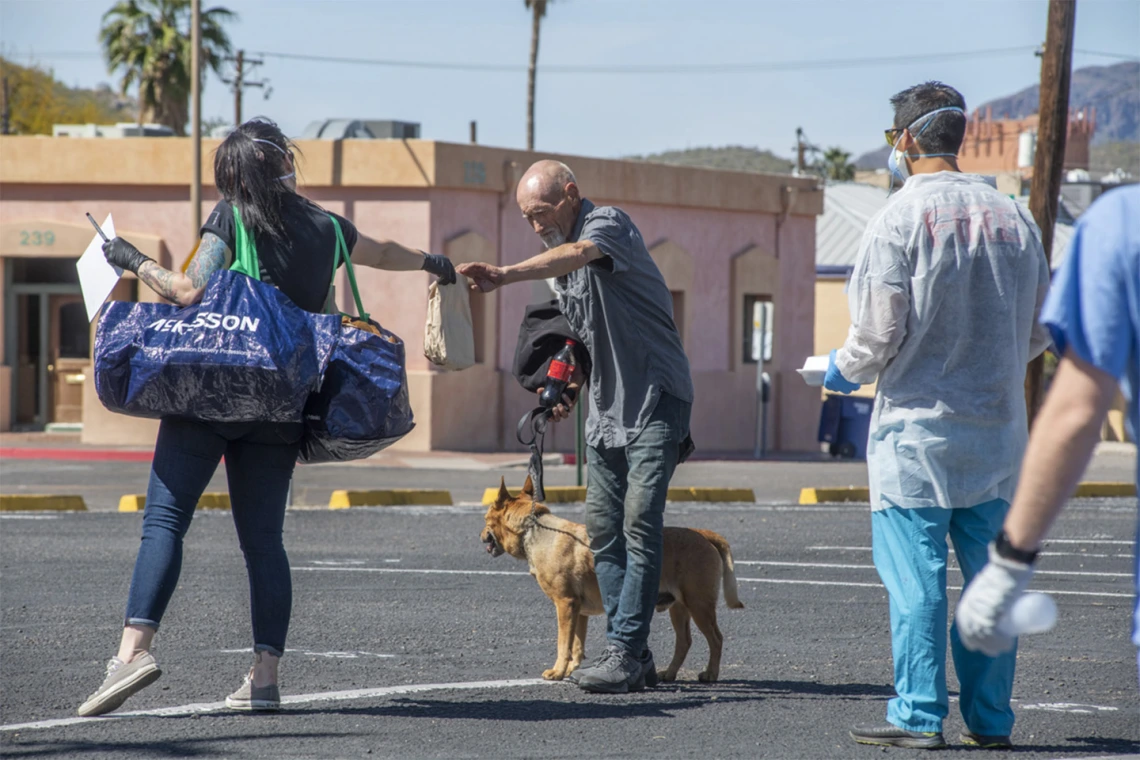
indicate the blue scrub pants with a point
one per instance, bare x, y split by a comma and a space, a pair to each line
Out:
909, 547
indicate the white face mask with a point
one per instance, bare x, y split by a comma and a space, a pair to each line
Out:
290, 175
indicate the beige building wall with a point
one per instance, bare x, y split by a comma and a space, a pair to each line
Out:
833, 321
717, 236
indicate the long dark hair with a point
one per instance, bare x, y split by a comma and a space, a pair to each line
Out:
248, 174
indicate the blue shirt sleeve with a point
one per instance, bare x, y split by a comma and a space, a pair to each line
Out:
610, 230
1087, 310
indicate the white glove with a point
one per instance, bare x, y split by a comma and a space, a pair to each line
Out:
987, 600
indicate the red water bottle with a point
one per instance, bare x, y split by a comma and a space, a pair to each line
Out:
558, 376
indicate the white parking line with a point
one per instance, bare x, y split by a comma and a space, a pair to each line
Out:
1069, 707
308, 653
1040, 554
430, 571
834, 566
29, 517
296, 699
411, 570
797, 582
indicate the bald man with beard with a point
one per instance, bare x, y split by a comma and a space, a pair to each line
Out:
641, 395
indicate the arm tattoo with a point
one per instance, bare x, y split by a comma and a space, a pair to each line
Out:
160, 280
211, 256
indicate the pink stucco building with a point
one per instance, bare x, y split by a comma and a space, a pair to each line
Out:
722, 240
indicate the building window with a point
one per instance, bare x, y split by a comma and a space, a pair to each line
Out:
758, 315
679, 312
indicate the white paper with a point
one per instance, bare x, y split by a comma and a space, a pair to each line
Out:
814, 370
97, 277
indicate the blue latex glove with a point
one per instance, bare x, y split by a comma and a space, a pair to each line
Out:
834, 379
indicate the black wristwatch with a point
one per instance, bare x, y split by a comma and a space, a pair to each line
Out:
1006, 550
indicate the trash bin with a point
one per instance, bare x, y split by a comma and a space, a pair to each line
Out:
844, 423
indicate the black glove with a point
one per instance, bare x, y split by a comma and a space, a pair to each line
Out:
440, 266
124, 255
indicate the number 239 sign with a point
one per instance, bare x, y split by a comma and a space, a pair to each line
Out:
37, 237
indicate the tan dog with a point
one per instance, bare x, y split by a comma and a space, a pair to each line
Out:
558, 551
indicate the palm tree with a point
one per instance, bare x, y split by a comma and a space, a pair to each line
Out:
538, 10
150, 41
835, 162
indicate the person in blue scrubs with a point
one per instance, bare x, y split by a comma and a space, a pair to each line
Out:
944, 297
1093, 312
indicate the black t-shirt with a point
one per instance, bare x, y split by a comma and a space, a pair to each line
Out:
300, 265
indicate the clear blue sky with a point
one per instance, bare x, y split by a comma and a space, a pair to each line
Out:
611, 114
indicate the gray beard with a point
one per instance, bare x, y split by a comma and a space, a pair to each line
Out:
553, 239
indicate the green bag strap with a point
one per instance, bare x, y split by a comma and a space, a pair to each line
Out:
245, 253
342, 256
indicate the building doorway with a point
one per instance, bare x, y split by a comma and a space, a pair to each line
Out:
47, 342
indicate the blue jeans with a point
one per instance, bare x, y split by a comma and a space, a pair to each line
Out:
625, 509
909, 549
259, 465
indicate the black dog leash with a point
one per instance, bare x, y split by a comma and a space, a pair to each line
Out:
535, 421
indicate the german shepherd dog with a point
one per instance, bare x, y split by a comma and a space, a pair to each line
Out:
695, 564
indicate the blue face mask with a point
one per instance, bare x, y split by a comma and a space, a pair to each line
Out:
896, 161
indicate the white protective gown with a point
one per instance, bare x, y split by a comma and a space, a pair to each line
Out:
944, 299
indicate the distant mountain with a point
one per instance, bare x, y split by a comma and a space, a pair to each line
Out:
732, 157
1114, 91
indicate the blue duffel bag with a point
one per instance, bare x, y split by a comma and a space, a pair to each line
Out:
244, 353
362, 405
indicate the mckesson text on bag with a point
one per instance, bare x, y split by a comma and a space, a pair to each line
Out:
449, 339
244, 353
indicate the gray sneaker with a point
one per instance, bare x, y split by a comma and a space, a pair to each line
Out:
590, 665
122, 680
619, 673
649, 669
254, 698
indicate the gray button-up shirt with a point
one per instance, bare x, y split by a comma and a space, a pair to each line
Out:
621, 308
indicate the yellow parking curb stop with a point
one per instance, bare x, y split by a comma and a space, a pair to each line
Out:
572, 494
830, 495
1094, 489
390, 497
26, 502
135, 502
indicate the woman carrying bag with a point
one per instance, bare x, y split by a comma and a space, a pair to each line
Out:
295, 242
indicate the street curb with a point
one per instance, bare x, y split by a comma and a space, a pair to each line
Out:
577, 494
390, 497
78, 455
856, 493
136, 502
1100, 490
24, 502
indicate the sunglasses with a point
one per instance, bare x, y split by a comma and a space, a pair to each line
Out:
893, 134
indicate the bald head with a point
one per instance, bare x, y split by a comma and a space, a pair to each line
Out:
545, 181
548, 198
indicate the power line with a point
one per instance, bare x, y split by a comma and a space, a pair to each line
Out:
698, 68
708, 68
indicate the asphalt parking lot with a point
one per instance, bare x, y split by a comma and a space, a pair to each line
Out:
409, 641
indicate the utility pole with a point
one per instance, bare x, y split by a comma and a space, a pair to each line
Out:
473, 140
1049, 163
195, 117
242, 67
799, 150
6, 114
